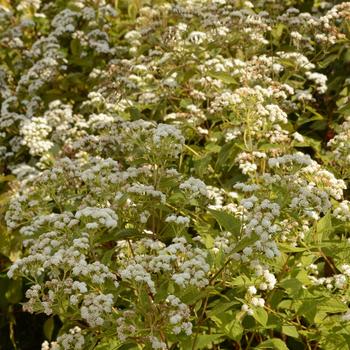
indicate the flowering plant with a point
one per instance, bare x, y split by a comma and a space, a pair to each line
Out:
175, 173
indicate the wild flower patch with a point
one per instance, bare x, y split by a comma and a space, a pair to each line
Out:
175, 173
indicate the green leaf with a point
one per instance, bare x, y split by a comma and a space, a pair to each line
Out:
245, 242
268, 146
234, 330
315, 113
324, 227
277, 32
227, 221
205, 340
224, 77
291, 331
127, 346
176, 197
292, 286
241, 281
4, 282
127, 233
287, 248
261, 316
75, 47
49, 326
107, 256
14, 291
227, 154
273, 322
273, 343
192, 295
220, 307
328, 60
202, 164
332, 305
212, 148
133, 11
285, 304
336, 342
308, 309
114, 345
135, 114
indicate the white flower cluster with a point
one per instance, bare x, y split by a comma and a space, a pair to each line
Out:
195, 187
290, 159
342, 212
74, 340
34, 134
261, 221
94, 307
340, 144
178, 316
178, 219
223, 243
319, 79
187, 265
147, 190
166, 132
137, 272
100, 216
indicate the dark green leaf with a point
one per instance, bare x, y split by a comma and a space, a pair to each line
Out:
128, 233
48, 328
227, 221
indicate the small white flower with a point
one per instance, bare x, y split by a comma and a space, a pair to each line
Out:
252, 290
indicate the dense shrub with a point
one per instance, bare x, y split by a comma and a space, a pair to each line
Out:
175, 173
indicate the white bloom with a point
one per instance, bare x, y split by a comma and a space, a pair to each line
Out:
252, 290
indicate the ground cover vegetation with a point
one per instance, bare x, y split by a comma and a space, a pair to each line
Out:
174, 174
